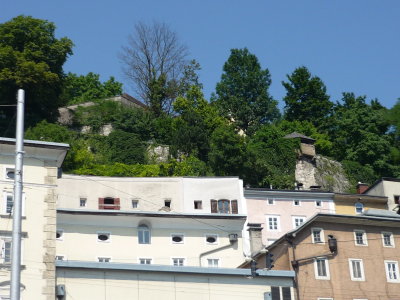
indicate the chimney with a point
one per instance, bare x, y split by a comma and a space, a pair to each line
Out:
255, 237
361, 188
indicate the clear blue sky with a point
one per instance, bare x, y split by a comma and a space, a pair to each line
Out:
352, 45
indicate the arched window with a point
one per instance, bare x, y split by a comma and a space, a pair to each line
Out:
359, 207
144, 234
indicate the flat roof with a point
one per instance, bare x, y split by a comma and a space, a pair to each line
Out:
36, 144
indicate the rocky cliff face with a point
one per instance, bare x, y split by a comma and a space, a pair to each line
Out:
321, 171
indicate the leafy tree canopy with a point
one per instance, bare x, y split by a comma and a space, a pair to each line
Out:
84, 88
242, 94
31, 57
306, 98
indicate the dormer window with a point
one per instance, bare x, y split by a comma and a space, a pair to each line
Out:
224, 206
359, 207
109, 203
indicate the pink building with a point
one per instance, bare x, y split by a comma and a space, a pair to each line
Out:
275, 212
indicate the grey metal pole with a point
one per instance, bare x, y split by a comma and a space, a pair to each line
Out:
17, 207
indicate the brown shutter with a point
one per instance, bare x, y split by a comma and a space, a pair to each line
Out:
234, 206
214, 206
116, 203
101, 203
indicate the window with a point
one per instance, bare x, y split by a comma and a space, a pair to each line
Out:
167, 203
60, 257
213, 262
273, 223
387, 239
145, 261
298, 221
8, 203
224, 206
135, 203
392, 271
178, 262
82, 202
360, 238
318, 203
144, 234
212, 239
359, 207
109, 203
321, 268
296, 202
103, 237
271, 201
177, 238
396, 199
104, 259
60, 234
317, 235
10, 173
198, 204
6, 250
356, 269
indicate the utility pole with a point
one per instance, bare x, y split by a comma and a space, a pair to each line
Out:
17, 206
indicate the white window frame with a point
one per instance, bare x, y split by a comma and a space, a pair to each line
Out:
4, 210
303, 218
278, 222
180, 235
105, 257
6, 168
387, 262
321, 234
183, 261
139, 230
319, 277
145, 258
211, 235
64, 258
61, 238
3, 241
136, 206
355, 208
294, 202
364, 237
82, 199
218, 260
272, 200
392, 245
105, 233
361, 264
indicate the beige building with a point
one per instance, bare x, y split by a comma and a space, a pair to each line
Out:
41, 162
364, 265
387, 187
180, 221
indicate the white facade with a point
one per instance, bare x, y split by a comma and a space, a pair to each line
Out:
389, 187
41, 162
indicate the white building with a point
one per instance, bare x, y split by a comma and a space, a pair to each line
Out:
389, 187
41, 162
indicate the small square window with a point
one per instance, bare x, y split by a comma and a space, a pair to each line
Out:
360, 238
10, 173
135, 203
212, 239
60, 257
104, 259
317, 235
396, 199
387, 239
298, 221
198, 204
213, 262
167, 203
178, 262
103, 237
318, 203
177, 238
145, 261
60, 234
296, 202
271, 201
82, 202
273, 223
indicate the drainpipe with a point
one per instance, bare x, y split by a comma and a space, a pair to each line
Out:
233, 238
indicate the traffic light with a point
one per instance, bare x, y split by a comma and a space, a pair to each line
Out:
269, 261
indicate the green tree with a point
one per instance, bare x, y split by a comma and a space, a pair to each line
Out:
227, 152
242, 94
31, 58
271, 159
83, 88
306, 98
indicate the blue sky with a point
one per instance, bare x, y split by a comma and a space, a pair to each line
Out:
352, 46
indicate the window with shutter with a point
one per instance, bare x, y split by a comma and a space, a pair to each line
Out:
276, 293
234, 206
117, 203
286, 294
101, 203
214, 206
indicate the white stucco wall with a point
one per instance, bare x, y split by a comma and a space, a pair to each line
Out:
386, 188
